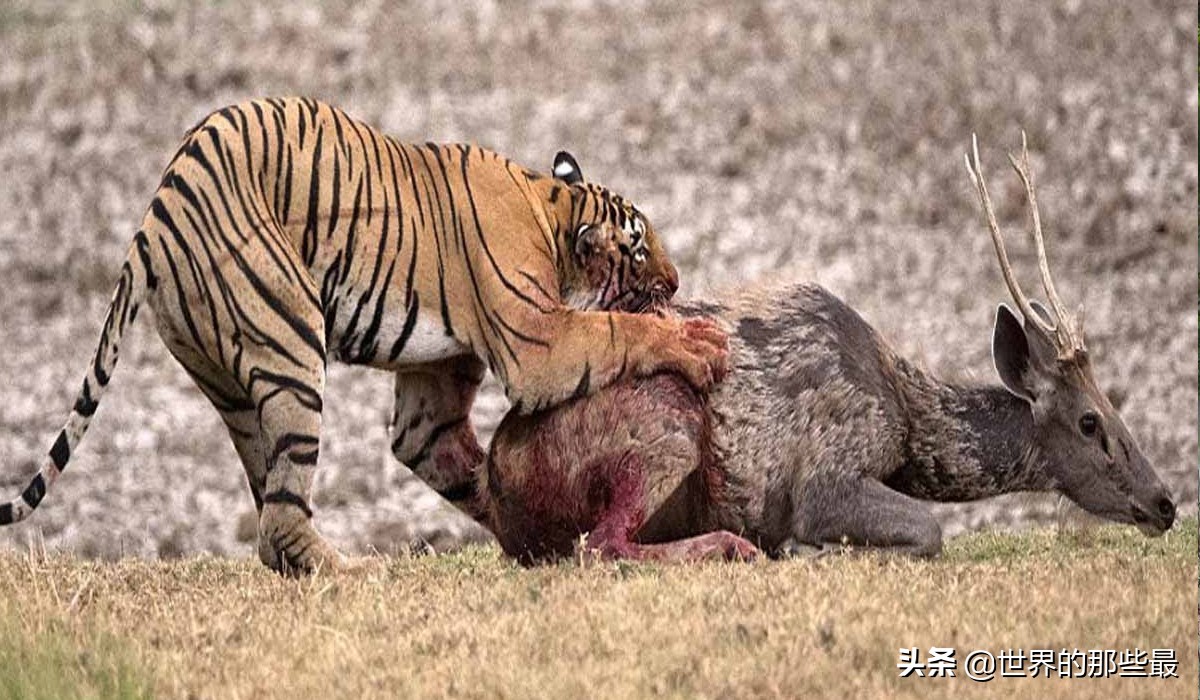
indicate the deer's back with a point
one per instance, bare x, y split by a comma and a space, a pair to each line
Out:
813, 387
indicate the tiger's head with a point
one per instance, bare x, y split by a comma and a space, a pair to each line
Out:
617, 262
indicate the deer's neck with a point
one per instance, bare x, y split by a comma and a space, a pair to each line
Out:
967, 443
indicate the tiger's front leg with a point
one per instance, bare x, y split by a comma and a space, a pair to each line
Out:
431, 429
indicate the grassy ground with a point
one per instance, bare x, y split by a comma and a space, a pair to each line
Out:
472, 625
56, 663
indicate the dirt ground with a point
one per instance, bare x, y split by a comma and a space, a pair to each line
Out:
763, 140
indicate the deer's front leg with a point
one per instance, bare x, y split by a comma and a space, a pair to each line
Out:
833, 510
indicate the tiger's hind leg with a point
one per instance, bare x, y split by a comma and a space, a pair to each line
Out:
269, 430
431, 428
243, 430
234, 406
239, 307
288, 402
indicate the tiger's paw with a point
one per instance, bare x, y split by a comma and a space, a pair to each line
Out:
704, 352
289, 544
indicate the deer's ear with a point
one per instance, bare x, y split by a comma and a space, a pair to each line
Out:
566, 169
1047, 315
1042, 350
1010, 354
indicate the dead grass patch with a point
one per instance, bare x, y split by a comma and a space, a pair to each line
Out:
474, 625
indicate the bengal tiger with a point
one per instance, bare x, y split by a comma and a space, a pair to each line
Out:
285, 233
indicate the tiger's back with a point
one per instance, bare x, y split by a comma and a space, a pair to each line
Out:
375, 232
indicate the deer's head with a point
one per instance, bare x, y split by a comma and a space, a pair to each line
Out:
1041, 358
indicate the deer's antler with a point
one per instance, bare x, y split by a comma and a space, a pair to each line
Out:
1065, 332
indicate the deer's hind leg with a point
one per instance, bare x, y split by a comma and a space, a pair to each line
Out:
834, 510
617, 495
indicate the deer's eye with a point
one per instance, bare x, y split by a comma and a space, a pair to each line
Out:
1089, 423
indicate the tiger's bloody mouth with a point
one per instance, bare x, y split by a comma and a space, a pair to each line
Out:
643, 303
659, 305
655, 299
631, 301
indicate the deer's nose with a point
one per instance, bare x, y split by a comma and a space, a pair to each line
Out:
1166, 511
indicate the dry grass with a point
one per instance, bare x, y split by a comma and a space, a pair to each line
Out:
472, 625
763, 138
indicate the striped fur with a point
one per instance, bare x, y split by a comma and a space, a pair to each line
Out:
285, 233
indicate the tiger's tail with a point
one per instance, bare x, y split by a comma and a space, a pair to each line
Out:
136, 280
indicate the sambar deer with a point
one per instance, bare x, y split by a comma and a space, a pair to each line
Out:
821, 436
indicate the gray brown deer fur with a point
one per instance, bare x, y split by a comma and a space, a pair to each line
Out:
820, 436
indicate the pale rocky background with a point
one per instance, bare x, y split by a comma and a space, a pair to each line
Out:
762, 138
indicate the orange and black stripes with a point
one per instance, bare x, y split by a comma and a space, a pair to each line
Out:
135, 280
284, 233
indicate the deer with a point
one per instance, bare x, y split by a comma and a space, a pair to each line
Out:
822, 438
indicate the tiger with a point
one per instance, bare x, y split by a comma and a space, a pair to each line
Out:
285, 233
433, 423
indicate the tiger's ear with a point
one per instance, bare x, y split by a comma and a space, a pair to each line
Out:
566, 169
